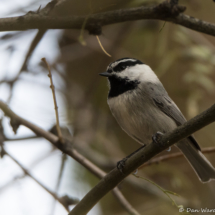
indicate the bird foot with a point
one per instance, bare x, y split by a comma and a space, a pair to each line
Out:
156, 138
121, 164
169, 149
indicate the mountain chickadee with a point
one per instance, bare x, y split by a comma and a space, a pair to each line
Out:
142, 107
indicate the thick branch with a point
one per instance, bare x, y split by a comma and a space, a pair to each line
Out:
115, 176
164, 11
67, 148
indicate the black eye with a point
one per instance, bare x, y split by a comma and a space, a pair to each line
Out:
123, 67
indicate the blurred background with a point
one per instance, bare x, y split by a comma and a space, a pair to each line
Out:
183, 60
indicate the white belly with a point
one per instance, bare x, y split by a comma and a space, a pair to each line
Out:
139, 119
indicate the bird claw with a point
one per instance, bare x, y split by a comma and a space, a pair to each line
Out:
135, 172
121, 164
169, 149
156, 138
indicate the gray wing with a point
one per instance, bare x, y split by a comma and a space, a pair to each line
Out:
167, 106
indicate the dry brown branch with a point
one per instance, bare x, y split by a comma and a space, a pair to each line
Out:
67, 148
55, 101
164, 11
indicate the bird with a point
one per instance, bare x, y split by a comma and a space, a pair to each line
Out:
142, 107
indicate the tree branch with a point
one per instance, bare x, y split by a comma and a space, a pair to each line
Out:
164, 11
67, 148
115, 176
55, 101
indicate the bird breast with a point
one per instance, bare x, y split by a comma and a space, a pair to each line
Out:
138, 116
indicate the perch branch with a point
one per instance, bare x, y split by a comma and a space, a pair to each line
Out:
143, 155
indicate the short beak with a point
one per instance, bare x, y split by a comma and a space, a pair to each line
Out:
106, 74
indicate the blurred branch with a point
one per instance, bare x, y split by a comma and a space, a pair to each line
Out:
173, 2
144, 154
31, 49
173, 156
67, 148
63, 159
164, 11
45, 11
45, 188
21, 138
9, 183
15, 178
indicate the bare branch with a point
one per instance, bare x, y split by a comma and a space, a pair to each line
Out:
163, 11
143, 155
55, 101
67, 149
44, 187
31, 49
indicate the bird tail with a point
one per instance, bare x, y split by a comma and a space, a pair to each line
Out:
198, 161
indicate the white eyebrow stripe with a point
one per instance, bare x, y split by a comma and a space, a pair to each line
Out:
124, 60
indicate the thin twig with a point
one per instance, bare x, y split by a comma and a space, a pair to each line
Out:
55, 101
39, 183
65, 148
46, 11
63, 159
102, 46
123, 201
9, 183
31, 49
